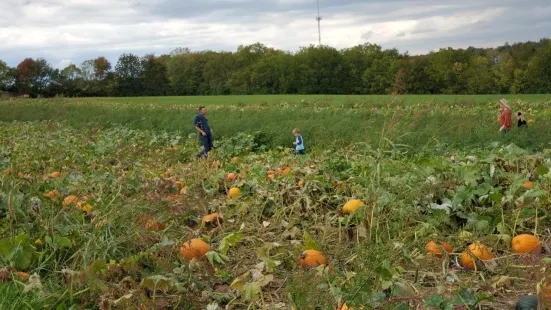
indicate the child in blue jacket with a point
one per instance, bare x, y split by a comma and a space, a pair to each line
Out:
299, 142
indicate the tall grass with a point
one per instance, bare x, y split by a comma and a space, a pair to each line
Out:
463, 124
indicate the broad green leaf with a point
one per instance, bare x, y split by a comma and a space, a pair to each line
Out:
215, 258
251, 291
541, 170
310, 243
63, 242
229, 241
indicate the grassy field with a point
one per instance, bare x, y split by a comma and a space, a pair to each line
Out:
397, 204
451, 122
374, 100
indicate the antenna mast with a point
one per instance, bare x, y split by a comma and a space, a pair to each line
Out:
318, 18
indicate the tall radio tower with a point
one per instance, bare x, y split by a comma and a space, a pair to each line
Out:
319, 22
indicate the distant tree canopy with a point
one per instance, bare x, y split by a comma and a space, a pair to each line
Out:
258, 69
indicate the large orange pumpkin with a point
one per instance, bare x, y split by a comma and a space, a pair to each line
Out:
477, 250
234, 192
311, 258
211, 219
195, 248
525, 243
351, 206
434, 249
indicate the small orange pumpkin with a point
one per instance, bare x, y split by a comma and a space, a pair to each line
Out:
6, 171
300, 183
528, 185
235, 159
286, 171
525, 243
234, 192
55, 174
351, 206
477, 250
69, 200
230, 177
211, 219
434, 249
153, 225
52, 194
194, 249
311, 258
22, 275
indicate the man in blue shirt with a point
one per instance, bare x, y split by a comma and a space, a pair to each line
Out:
205, 133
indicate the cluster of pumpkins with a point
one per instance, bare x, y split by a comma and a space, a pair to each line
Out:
197, 248
521, 244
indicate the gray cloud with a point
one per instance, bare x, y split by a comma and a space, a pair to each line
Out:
64, 32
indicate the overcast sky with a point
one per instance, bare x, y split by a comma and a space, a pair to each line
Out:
65, 31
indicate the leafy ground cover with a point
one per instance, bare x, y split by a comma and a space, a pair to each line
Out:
102, 218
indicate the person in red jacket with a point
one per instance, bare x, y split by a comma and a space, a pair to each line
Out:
505, 122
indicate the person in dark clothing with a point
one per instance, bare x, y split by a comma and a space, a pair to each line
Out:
205, 133
521, 121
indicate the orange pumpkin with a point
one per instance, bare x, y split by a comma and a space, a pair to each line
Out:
351, 206
231, 176
22, 275
211, 219
52, 194
477, 250
153, 225
271, 176
234, 192
235, 159
86, 207
300, 183
434, 249
311, 258
6, 171
194, 249
54, 175
172, 197
286, 171
69, 200
525, 243
528, 185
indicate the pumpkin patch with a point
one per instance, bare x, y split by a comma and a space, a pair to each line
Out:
131, 220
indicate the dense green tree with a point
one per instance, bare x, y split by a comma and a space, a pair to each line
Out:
538, 73
7, 77
154, 76
128, 75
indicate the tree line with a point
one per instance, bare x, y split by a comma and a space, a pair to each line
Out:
257, 69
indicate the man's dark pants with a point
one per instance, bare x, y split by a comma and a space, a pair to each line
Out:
206, 141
